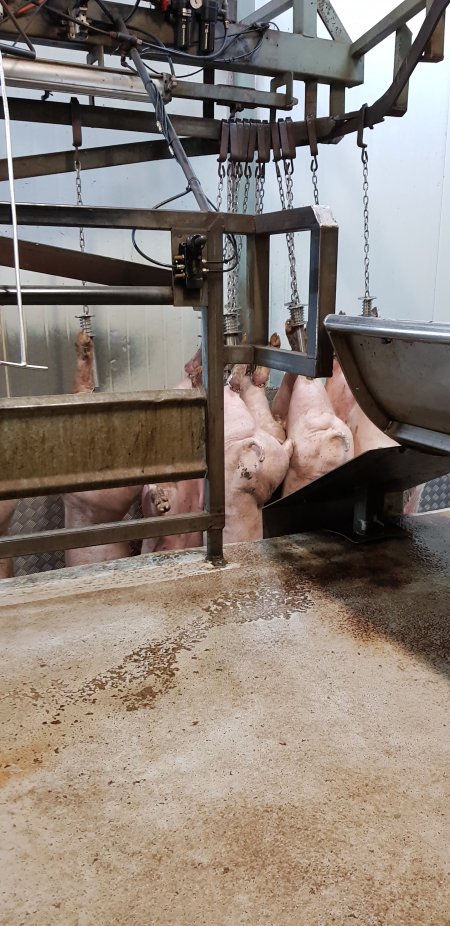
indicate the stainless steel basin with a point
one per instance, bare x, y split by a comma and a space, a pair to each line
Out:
399, 374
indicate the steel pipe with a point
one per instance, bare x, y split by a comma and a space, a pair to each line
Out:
92, 295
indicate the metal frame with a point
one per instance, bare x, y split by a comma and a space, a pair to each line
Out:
28, 421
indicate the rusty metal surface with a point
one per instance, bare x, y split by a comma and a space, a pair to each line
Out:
60, 443
266, 742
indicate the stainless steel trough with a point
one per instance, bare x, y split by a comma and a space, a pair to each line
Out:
400, 375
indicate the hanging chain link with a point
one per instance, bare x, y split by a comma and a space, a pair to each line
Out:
221, 172
77, 166
288, 203
365, 163
368, 309
85, 319
314, 169
260, 182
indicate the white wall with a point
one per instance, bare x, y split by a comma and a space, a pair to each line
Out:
409, 224
409, 187
137, 347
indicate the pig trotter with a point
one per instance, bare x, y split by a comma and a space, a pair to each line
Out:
159, 498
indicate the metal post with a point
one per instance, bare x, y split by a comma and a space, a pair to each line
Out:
213, 363
305, 17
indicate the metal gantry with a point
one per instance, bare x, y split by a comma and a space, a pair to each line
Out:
179, 34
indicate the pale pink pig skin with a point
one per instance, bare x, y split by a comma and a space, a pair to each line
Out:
99, 506
321, 440
184, 497
257, 455
366, 435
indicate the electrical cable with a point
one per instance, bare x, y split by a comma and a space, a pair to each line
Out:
230, 238
216, 55
158, 206
133, 11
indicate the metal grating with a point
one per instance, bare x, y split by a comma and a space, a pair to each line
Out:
436, 494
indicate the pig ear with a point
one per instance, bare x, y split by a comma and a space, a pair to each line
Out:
249, 464
256, 448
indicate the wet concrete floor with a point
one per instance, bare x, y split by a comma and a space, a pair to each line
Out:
262, 744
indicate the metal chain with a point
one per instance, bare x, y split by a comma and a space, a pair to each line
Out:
288, 203
314, 169
234, 176
85, 319
365, 163
260, 180
77, 166
221, 172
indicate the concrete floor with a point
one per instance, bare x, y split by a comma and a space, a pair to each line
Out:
262, 744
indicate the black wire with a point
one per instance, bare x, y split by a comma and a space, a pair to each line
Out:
158, 44
145, 256
214, 56
158, 206
105, 10
133, 11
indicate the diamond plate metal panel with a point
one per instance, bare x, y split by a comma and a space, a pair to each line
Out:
436, 494
46, 513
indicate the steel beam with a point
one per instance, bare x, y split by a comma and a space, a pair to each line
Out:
65, 539
325, 10
267, 12
386, 26
59, 76
104, 217
53, 444
74, 265
62, 162
434, 51
92, 295
331, 21
320, 59
102, 117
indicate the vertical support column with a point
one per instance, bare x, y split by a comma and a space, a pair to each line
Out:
213, 363
305, 17
337, 100
434, 50
208, 105
403, 42
258, 288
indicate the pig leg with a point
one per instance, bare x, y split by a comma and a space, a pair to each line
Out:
252, 391
243, 516
366, 435
7, 508
193, 368
178, 498
321, 440
98, 507
411, 499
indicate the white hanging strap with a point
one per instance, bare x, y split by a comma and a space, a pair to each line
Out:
23, 347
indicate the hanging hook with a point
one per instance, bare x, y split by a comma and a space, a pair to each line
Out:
360, 132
